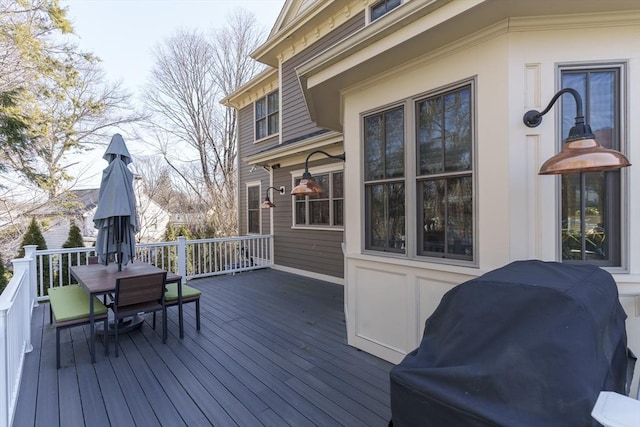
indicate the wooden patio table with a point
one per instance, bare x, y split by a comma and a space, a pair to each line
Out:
99, 279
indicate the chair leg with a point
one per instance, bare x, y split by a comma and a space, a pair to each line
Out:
153, 325
198, 314
164, 325
105, 336
115, 331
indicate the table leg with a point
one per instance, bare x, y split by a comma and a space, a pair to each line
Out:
181, 325
92, 330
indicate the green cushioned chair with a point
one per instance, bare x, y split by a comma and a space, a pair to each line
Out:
69, 306
189, 294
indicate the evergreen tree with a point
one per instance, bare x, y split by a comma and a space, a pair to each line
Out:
3, 277
185, 232
74, 240
169, 252
169, 233
34, 236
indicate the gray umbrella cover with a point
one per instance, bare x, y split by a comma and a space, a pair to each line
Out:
116, 217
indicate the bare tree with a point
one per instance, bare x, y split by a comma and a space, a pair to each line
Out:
192, 73
69, 113
54, 99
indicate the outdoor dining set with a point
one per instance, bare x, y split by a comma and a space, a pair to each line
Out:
109, 282
139, 288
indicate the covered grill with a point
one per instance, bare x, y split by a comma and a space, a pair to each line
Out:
529, 344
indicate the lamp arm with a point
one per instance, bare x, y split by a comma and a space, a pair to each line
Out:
533, 118
280, 190
306, 162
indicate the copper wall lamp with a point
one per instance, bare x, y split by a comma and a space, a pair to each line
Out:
267, 204
581, 152
307, 185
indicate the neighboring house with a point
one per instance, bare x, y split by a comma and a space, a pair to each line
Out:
427, 98
76, 206
153, 218
79, 206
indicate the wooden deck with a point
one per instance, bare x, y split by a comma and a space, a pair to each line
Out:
272, 351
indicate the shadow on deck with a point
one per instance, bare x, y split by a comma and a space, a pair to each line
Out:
272, 351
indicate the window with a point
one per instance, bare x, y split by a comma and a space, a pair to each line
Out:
267, 115
383, 7
442, 212
384, 181
444, 181
253, 209
322, 210
591, 212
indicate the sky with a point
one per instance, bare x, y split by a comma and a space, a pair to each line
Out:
122, 33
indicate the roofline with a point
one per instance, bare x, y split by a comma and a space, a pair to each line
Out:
294, 152
268, 52
232, 99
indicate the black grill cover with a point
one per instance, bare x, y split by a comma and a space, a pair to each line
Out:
529, 344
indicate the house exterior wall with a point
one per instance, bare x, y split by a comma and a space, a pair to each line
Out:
248, 173
153, 220
514, 70
296, 122
318, 252
55, 231
511, 52
313, 252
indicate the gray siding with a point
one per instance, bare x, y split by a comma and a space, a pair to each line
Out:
246, 147
316, 251
296, 122
319, 251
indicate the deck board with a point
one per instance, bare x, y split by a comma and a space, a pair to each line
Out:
271, 351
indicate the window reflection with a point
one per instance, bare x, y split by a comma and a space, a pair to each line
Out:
590, 228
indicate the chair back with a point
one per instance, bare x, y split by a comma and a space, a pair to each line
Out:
140, 289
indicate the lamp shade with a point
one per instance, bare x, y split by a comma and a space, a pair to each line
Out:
267, 204
583, 155
306, 187
581, 152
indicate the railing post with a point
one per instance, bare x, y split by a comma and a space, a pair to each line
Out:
20, 267
271, 249
30, 254
182, 258
5, 388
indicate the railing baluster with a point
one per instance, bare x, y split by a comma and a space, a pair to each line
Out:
201, 258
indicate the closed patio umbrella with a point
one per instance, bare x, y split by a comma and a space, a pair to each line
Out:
116, 217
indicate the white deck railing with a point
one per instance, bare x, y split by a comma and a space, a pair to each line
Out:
16, 305
40, 270
189, 258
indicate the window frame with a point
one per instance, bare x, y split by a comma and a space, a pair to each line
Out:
248, 186
266, 118
328, 169
411, 178
385, 182
448, 176
621, 109
370, 17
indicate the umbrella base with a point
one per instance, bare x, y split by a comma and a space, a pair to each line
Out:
126, 325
